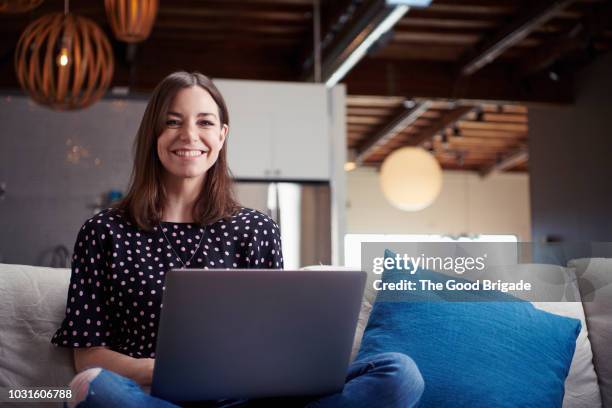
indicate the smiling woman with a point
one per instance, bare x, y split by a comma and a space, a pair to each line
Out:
180, 212
180, 155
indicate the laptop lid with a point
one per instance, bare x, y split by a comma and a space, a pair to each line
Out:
255, 333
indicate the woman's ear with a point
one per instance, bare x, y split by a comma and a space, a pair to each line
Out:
223, 134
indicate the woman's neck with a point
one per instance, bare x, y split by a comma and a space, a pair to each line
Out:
181, 196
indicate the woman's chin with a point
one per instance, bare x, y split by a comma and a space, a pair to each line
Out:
192, 174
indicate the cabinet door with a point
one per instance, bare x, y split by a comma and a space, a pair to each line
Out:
250, 136
300, 134
278, 130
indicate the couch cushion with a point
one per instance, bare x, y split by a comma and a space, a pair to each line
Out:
32, 307
595, 283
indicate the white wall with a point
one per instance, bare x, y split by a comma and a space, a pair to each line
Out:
467, 204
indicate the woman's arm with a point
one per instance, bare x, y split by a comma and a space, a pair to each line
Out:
138, 369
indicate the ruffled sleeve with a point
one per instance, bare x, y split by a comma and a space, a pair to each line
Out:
88, 320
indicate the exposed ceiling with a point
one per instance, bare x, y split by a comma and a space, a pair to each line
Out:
467, 69
481, 137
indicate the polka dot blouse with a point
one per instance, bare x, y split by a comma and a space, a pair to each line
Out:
118, 273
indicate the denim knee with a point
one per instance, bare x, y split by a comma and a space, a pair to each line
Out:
80, 385
407, 383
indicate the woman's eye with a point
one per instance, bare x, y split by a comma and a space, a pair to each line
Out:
171, 122
205, 123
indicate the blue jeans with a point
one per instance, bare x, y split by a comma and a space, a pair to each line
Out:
387, 380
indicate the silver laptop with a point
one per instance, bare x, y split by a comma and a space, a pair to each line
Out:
255, 333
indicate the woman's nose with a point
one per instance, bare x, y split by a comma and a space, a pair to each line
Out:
190, 132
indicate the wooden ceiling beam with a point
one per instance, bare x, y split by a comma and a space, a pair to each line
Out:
592, 25
481, 141
450, 22
546, 54
449, 38
258, 3
419, 52
169, 39
489, 107
505, 117
447, 119
476, 7
225, 26
493, 126
492, 134
400, 122
493, 46
513, 158
367, 111
467, 155
147, 70
237, 12
374, 101
435, 80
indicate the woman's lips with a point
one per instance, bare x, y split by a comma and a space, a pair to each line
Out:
189, 154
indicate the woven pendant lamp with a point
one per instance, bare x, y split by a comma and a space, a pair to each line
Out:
18, 6
64, 61
131, 20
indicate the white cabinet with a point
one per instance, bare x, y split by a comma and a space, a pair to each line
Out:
278, 130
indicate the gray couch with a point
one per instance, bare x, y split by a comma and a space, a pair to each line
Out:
32, 304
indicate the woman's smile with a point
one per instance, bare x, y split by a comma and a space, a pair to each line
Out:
189, 154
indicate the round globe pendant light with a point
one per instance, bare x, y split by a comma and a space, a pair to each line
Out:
64, 61
131, 20
18, 6
410, 178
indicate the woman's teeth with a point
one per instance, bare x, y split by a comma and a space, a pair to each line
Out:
188, 153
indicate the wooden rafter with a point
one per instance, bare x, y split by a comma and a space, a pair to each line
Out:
433, 80
592, 25
474, 7
491, 48
447, 119
511, 159
387, 133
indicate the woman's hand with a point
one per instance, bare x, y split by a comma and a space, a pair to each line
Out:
138, 369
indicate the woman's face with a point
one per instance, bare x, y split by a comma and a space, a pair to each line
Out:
193, 135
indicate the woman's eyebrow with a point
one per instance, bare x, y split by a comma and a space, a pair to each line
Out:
207, 114
199, 114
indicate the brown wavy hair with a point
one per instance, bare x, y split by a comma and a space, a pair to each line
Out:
146, 194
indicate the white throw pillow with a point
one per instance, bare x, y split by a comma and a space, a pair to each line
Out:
581, 389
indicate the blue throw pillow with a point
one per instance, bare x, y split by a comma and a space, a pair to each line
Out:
477, 354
